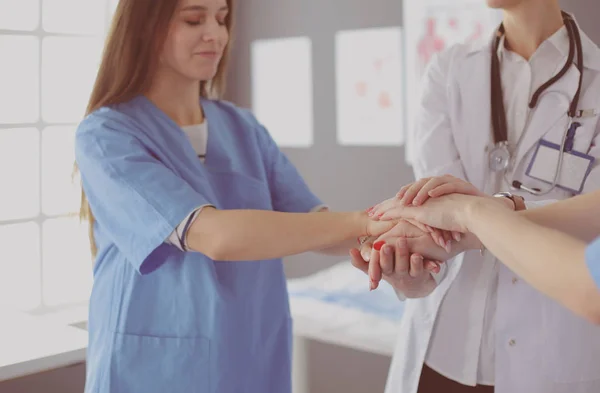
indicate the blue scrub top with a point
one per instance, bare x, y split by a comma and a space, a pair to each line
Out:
162, 320
592, 258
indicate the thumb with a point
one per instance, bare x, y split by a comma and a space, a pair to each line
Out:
358, 262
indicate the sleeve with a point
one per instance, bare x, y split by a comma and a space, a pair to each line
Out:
592, 182
135, 199
592, 259
435, 151
178, 237
289, 191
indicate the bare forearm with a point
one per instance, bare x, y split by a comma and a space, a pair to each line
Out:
551, 261
239, 235
574, 216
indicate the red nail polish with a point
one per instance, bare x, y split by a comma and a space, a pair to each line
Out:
380, 215
369, 210
377, 246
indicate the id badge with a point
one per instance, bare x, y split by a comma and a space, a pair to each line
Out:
576, 167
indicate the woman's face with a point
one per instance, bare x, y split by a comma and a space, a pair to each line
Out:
197, 39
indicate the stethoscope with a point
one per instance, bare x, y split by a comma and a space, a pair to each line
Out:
500, 156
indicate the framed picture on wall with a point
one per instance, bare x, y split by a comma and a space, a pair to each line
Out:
368, 69
431, 26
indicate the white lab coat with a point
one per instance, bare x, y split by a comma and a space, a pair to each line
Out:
557, 352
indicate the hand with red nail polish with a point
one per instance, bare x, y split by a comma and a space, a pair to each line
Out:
416, 194
380, 259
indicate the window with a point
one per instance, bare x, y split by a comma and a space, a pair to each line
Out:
50, 56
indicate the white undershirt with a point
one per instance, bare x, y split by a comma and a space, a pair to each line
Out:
465, 355
198, 136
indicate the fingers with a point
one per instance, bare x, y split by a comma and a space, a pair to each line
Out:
374, 270
447, 235
438, 237
358, 262
380, 208
412, 191
457, 187
433, 183
418, 224
387, 260
402, 258
416, 265
402, 191
456, 236
432, 266
365, 250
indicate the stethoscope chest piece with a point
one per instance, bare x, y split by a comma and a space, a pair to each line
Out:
499, 157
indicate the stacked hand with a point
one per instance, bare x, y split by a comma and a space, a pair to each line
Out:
434, 214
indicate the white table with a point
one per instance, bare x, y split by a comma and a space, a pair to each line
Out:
30, 344
336, 324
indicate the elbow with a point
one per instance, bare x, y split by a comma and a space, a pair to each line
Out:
213, 247
211, 243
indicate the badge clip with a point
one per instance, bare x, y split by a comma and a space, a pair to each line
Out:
587, 113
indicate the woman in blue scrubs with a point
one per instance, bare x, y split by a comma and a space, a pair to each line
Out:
556, 248
191, 205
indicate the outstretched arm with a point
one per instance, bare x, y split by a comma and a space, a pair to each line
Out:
240, 235
551, 261
578, 216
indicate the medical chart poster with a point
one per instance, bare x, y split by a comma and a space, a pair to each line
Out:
431, 26
369, 93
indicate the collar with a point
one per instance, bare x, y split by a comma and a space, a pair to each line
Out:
559, 40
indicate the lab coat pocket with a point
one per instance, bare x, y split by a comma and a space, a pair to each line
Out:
572, 346
149, 364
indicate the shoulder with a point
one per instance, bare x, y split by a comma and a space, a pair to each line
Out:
110, 126
119, 117
451, 61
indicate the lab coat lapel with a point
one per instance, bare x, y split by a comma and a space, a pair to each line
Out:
474, 132
551, 112
553, 105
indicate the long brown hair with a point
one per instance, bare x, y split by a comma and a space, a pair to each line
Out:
129, 61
